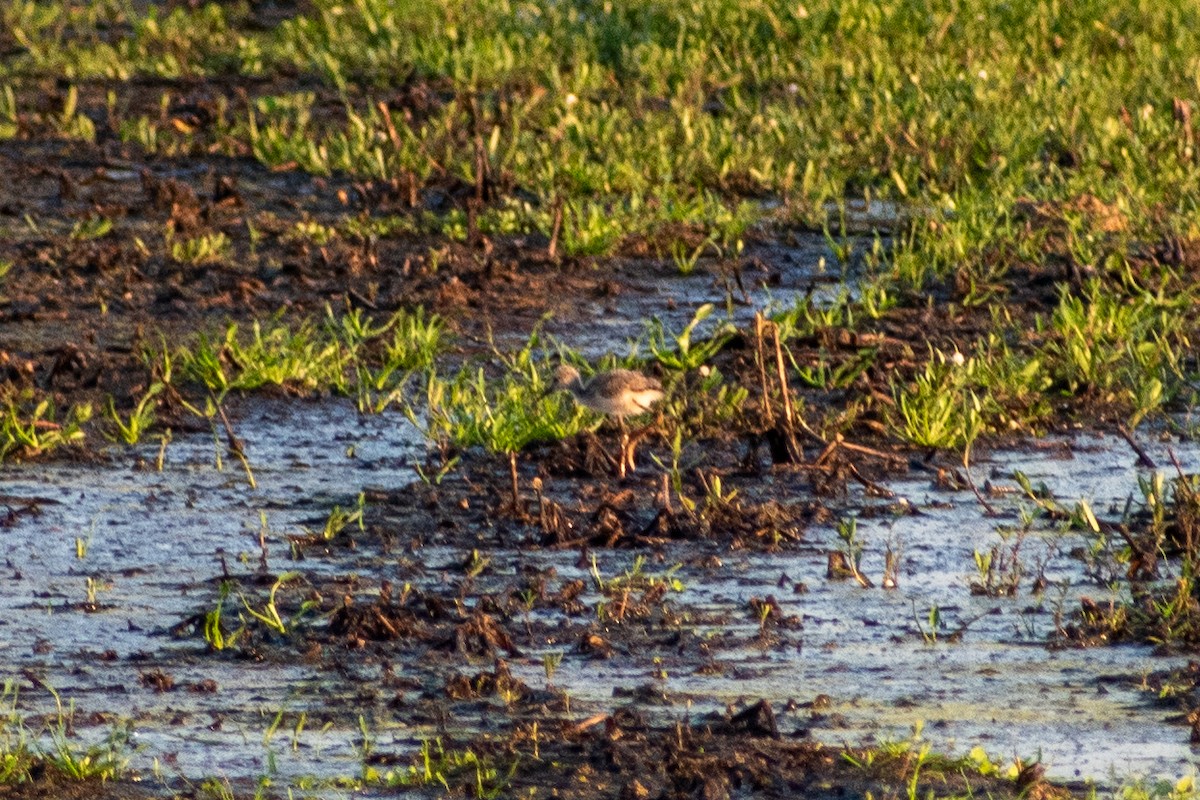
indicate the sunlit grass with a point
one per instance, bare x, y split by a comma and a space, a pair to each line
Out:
346, 355
202, 249
1056, 143
30, 427
961, 113
504, 414
1128, 350
28, 753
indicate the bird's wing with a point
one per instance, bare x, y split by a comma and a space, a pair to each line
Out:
626, 379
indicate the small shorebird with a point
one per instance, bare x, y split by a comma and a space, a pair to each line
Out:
619, 392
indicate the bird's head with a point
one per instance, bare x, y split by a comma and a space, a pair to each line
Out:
565, 376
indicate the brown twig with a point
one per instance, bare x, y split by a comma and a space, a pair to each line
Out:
987, 507
556, 227
788, 418
516, 486
761, 357
870, 485
236, 446
1144, 460
590, 722
891, 568
868, 451
826, 454
394, 138
389, 126
783, 382
1175, 461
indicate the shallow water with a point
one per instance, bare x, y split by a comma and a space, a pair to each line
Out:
776, 278
154, 545
999, 687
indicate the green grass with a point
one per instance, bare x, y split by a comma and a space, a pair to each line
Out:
30, 427
1020, 143
1129, 350
505, 414
27, 753
203, 249
1125, 354
140, 419
349, 354
461, 771
638, 115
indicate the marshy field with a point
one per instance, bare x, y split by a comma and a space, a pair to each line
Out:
291, 506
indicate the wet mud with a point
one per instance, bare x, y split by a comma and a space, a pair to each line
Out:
815, 614
636, 651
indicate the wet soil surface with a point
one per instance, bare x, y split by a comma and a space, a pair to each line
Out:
625, 644
77, 313
591, 637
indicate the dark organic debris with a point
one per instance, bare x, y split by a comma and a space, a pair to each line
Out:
498, 682
375, 622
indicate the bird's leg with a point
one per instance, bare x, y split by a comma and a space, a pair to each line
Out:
632, 440
625, 459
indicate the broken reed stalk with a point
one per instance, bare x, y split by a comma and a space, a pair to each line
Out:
868, 484
162, 450
1144, 459
516, 487
991, 511
862, 579
483, 172
760, 357
788, 417
783, 384
556, 226
389, 126
236, 446
870, 451
246, 466
891, 568
537, 490
840, 566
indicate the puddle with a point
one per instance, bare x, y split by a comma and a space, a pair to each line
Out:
999, 687
153, 545
779, 276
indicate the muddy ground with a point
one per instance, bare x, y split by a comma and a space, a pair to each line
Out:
79, 313
418, 613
